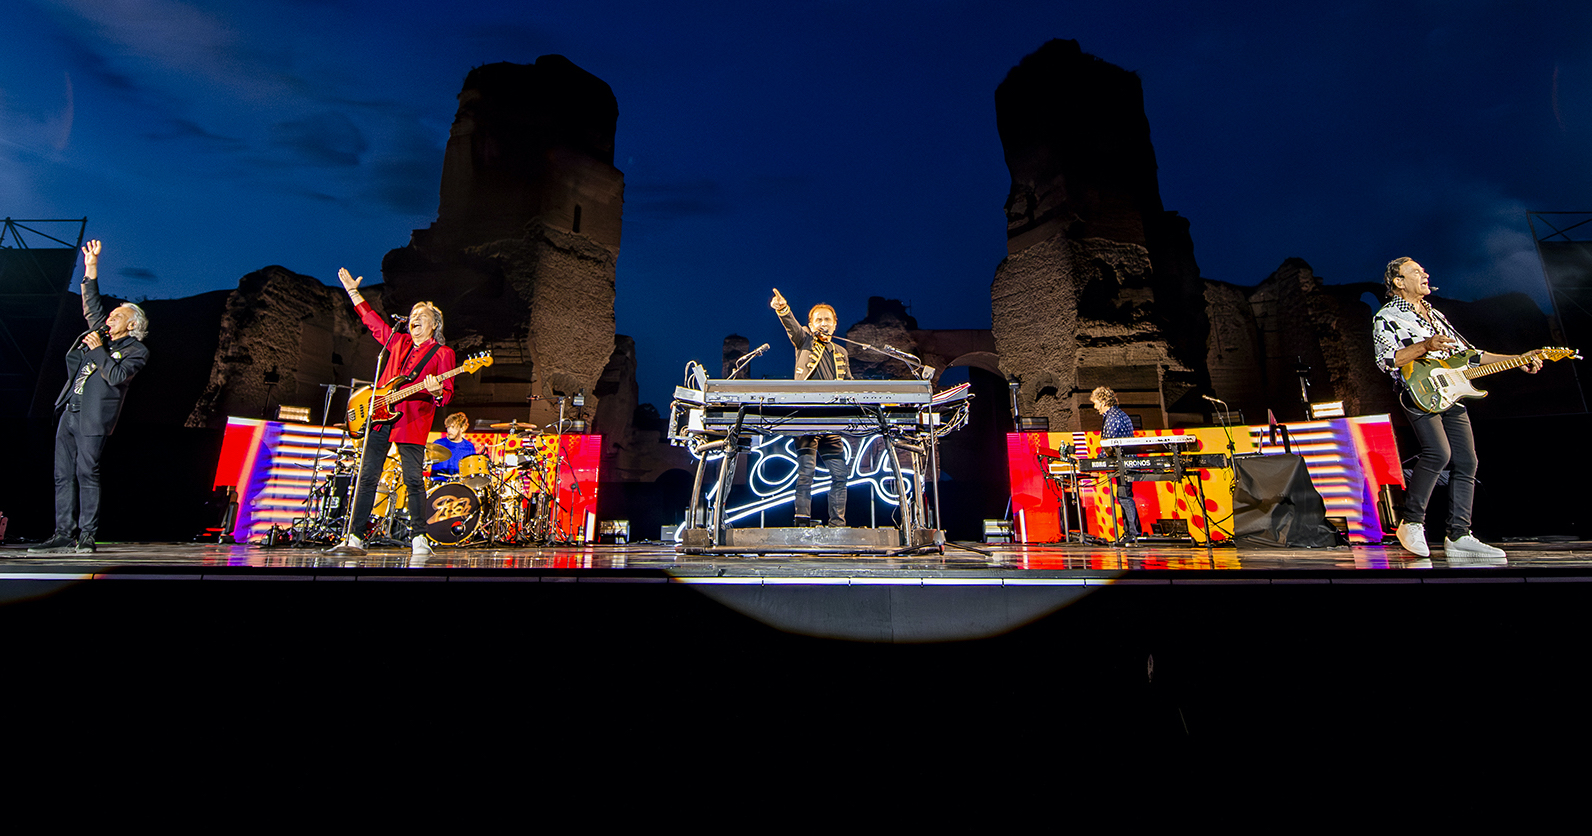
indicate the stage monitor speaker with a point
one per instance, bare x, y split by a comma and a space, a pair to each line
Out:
1275, 504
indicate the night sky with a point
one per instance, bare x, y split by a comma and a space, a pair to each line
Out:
835, 150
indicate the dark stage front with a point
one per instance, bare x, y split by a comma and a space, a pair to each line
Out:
1173, 644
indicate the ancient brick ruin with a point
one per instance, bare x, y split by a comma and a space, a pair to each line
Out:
1096, 285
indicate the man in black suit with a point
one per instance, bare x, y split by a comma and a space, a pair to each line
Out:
818, 357
99, 366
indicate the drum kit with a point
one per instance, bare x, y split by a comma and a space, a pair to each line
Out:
505, 496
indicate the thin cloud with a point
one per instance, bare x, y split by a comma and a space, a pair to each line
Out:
321, 139
407, 185
184, 130
664, 201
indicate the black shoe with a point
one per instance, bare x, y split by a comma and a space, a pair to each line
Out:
837, 524
57, 544
85, 543
806, 522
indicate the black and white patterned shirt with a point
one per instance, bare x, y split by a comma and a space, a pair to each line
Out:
1116, 424
1399, 325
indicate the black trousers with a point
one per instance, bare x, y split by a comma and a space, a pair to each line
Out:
1130, 508
77, 477
411, 459
830, 448
1446, 441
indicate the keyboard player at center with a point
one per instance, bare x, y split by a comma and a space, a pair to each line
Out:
817, 358
1117, 424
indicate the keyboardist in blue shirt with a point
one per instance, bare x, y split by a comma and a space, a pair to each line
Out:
1117, 424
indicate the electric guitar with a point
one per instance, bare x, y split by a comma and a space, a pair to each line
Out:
374, 405
1437, 384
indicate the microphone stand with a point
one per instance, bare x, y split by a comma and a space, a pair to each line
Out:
554, 533
919, 370
742, 363
315, 473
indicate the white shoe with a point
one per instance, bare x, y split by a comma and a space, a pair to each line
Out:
350, 545
1412, 536
1469, 546
421, 547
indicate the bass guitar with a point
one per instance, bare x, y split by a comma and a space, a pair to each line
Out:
375, 404
1437, 384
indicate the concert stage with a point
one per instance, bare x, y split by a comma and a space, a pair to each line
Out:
1050, 643
972, 563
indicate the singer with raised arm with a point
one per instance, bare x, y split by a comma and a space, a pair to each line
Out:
1406, 331
818, 357
416, 353
99, 367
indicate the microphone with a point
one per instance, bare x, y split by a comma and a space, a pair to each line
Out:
400, 323
1214, 400
756, 351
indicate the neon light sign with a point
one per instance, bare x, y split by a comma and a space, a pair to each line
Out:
771, 474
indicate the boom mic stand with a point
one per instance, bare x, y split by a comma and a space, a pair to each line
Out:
556, 533
915, 363
745, 359
302, 537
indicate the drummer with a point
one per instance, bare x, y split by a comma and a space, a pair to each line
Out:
455, 441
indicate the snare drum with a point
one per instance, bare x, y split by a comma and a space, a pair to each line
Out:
453, 512
475, 471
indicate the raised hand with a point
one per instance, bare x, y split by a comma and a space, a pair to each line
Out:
91, 253
778, 302
350, 283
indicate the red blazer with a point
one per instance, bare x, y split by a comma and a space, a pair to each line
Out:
419, 410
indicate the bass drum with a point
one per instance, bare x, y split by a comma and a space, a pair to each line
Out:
453, 513
336, 495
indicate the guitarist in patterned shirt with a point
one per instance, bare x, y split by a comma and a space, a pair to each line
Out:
1407, 329
418, 354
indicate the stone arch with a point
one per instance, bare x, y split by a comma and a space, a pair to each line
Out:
989, 361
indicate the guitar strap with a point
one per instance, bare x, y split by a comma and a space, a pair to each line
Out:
414, 371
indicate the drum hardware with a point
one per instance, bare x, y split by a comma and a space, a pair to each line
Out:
326, 504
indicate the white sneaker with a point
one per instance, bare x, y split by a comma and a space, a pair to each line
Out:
1412, 536
1469, 546
421, 547
350, 545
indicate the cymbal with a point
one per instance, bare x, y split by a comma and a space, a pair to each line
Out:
513, 426
437, 453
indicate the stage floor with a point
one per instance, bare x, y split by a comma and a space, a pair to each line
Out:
970, 562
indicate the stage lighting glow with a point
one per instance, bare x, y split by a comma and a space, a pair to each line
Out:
772, 465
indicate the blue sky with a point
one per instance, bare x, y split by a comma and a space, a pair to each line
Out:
834, 150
